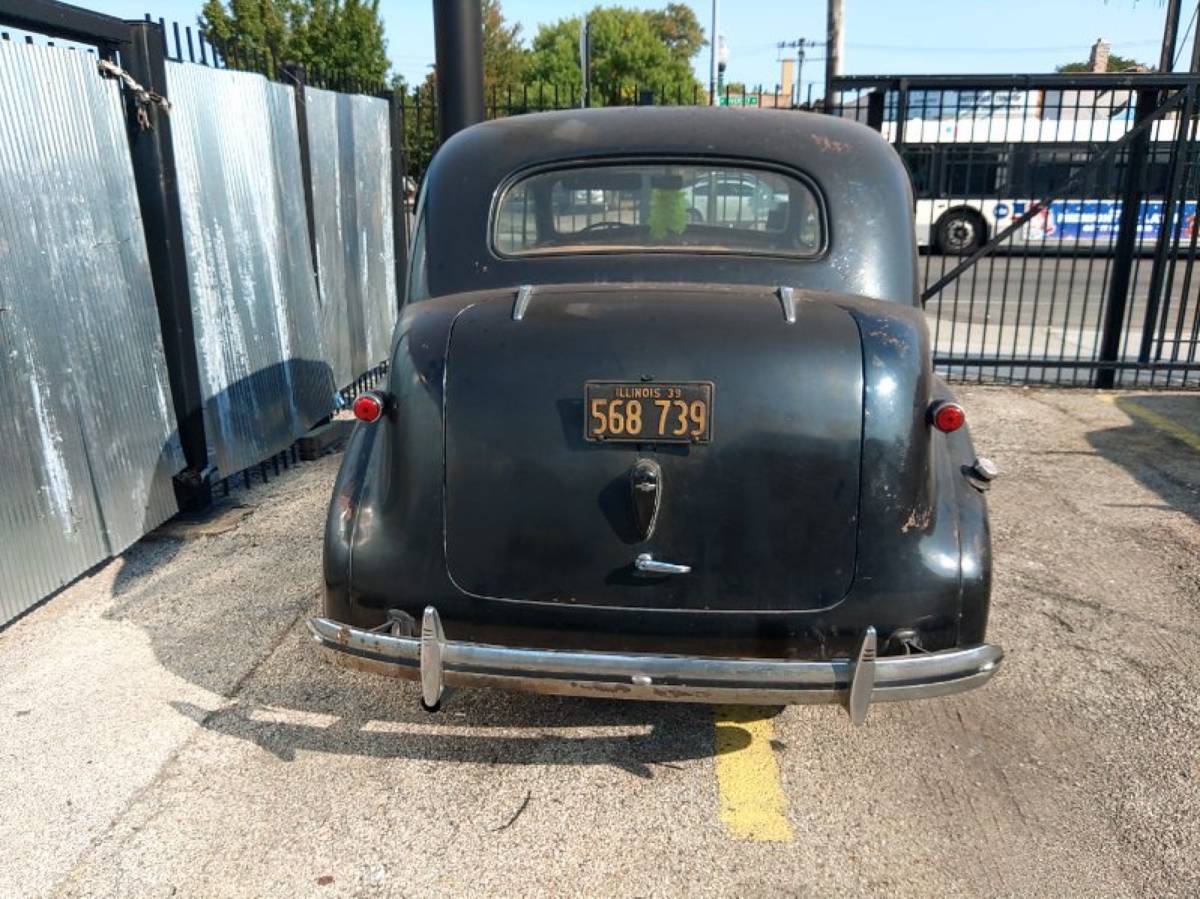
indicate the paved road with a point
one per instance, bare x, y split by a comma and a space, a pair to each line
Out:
166, 727
1063, 291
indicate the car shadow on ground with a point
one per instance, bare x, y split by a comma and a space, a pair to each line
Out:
1160, 447
270, 686
492, 729
225, 612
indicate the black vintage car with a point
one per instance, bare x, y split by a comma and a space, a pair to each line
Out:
661, 424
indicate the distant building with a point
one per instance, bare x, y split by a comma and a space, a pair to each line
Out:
1098, 58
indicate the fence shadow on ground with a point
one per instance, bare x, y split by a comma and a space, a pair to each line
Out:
1160, 447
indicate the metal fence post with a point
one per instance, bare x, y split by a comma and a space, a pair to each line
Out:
1127, 236
296, 75
875, 101
395, 100
1167, 230
901, 113
158, 196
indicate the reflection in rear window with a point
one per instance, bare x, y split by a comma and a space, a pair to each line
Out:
639, 207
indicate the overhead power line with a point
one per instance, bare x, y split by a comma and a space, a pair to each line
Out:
759, 49
901, 48
1183, 40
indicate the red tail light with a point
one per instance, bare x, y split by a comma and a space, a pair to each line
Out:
368, 407
947, 417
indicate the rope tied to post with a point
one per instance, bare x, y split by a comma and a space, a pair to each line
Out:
142, 97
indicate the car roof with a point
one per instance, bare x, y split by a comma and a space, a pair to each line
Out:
864, 186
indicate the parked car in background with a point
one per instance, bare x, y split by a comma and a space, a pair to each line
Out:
735, 198
627, 452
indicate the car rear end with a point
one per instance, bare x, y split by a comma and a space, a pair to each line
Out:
638, 449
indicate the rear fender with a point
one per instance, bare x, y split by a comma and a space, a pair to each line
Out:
974, 538
384, 521
922, 529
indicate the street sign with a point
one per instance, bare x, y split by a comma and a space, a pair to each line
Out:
743, 100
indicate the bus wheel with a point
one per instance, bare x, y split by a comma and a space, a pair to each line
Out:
960, 232
695, 216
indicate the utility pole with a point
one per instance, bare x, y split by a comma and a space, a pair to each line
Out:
799, 44
799, 70
712, 62
585, 63
1170, 36
833, 50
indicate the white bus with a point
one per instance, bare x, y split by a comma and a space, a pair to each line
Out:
971, 177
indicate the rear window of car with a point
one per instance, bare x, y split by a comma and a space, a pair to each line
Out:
659, 207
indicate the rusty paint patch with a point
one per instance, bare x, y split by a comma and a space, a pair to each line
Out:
890, 339
917, 518
829, 145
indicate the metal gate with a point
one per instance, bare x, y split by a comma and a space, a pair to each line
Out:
1057, 220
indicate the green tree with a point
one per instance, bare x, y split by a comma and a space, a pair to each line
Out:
629, 50
679, 29
342, 37
1116, 63
248, 29
345, 36
505, 59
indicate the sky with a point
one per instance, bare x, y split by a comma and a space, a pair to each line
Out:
883, 37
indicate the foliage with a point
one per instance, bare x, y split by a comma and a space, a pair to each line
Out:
1116, 63
679, 29
342, 37
629, 48
248, 28
505, 60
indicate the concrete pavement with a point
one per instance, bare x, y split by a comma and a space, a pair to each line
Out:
167, 727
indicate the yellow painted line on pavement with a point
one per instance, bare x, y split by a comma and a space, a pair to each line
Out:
1129, 406
753, 804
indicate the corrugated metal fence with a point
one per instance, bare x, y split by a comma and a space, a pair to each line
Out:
254, 301
88, 440
350, 149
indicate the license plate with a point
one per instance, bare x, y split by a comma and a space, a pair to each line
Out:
636, 412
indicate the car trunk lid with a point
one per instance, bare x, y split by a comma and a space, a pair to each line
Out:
764, 515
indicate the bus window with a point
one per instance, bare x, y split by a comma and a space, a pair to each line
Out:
920, 169
974, 171
1050, 170
1155, 173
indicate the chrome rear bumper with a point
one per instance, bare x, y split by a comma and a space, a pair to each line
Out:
855, 682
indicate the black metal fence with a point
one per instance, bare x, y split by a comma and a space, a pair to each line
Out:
1057, 215
420, 107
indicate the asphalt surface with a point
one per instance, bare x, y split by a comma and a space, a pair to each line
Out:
1068, 291
167, 728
